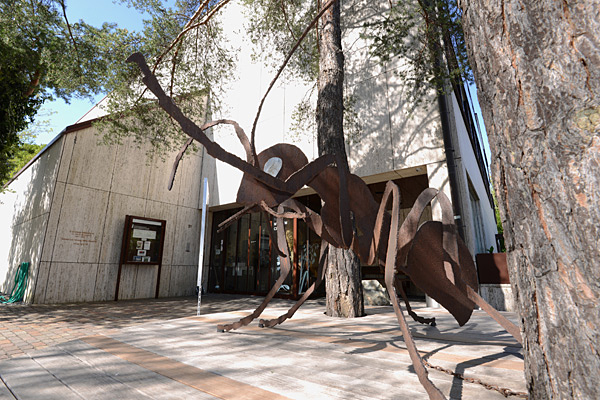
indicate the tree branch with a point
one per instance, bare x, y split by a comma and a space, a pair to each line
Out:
188, 27
33, 84
174, 62
287, 22
198, 12
64, 9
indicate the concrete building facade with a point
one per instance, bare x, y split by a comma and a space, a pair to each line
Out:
65, 213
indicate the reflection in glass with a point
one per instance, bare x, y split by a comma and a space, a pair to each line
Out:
253, 243
230, 251
265, 256
217, 255
286, 287
241, 266
288, 224
308, 256
314, 251
276, 265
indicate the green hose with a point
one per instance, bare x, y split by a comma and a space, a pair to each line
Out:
18, 291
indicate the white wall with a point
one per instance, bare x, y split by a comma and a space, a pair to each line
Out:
24, 212
97, 186
394, 135
67, 214
467, 167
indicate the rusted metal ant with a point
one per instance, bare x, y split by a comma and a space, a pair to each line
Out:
432, 255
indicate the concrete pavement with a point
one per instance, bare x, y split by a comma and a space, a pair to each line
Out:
166, 352
25, 328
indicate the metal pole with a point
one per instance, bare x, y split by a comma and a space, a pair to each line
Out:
202, 234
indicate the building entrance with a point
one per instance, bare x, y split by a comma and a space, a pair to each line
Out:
243, 257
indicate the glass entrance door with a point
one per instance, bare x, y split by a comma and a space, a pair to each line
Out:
244, 258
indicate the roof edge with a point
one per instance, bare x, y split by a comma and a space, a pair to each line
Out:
68, 129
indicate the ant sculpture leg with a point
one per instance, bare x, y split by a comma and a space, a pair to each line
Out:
285, 270
380, 230
411, 241
414, 315
320, 277
390, 272
314, 222
492, 312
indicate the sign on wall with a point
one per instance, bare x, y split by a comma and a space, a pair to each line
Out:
143, 241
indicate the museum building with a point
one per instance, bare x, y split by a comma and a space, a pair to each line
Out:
91, 218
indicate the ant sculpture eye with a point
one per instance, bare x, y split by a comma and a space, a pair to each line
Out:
273, 166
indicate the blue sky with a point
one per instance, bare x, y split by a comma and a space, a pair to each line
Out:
58, 113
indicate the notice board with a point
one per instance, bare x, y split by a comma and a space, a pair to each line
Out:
143, 242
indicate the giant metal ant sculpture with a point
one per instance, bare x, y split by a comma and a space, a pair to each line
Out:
432, 255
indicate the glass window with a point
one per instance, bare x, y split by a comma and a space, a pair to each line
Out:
244, 259
241, 265
253, 251
309, 246
264, 282
314, 251
303, 256
286, 287
229, 277
215, 276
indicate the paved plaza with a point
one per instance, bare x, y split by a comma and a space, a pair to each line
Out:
160, 349
25, 328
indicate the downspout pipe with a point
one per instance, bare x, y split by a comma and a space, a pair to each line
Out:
437, 51
452, 175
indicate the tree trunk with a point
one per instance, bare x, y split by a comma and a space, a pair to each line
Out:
536, 65
343, 280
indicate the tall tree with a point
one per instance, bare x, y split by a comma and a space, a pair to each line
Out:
25, 149
43, 57
319, 59
188, 52
536, 67
343, 283
23, 153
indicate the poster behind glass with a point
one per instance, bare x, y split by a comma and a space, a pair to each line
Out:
144, 240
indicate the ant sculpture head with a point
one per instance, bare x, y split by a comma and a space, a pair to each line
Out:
280, 161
